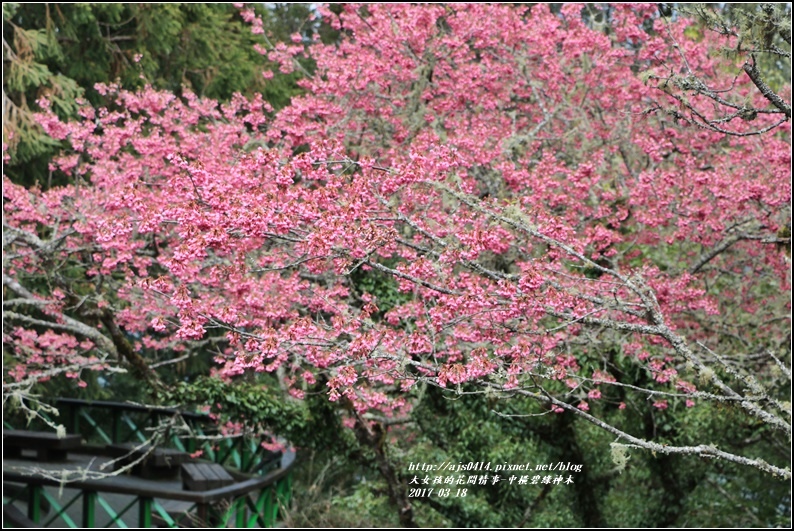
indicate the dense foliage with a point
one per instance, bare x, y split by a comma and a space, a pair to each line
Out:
487, 232
60, 51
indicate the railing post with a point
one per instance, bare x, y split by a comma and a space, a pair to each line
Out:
240, 510
74, 411
202, 511
89, 508
34, 502
243, 454
270, 507
116, 428
190, 445
145, 512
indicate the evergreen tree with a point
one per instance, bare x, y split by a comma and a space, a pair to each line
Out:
62, 50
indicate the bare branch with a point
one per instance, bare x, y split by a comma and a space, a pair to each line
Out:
753, 73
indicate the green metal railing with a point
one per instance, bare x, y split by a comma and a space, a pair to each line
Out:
251, 503
263, 483
114, 422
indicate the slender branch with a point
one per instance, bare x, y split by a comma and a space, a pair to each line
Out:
68, 323
716, 250
701, 450
753, 73
412, 278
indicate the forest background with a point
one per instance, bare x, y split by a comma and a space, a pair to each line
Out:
716, 272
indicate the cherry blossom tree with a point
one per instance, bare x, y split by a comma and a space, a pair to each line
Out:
482, 198
756, 37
